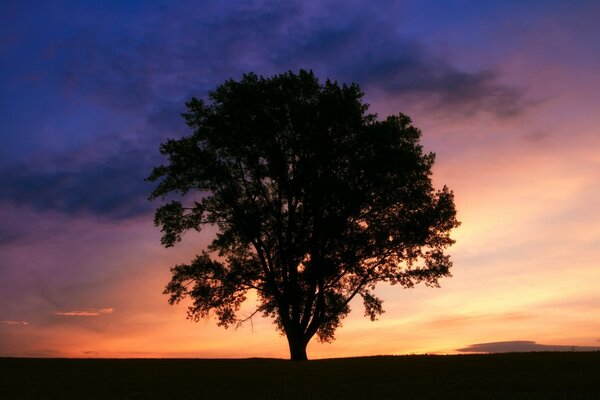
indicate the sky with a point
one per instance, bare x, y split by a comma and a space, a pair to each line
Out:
506, 94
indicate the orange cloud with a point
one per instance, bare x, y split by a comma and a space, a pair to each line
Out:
86, 313
454, 321
14, 322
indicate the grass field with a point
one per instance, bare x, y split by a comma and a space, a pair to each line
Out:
495, 376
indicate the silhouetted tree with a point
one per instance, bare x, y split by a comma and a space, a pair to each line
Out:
315, 200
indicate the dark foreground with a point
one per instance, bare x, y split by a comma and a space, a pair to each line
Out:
495, 376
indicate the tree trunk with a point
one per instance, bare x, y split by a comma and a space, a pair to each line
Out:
297, 348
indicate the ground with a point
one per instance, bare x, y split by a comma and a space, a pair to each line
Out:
495, 376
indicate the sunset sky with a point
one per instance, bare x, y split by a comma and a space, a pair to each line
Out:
507, 93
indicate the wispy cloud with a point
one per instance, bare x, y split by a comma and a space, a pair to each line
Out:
85, 313
455, 321
8, 322
521, 346
77, 313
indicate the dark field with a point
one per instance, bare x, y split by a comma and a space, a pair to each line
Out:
496, 376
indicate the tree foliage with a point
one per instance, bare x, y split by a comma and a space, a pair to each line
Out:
315, 199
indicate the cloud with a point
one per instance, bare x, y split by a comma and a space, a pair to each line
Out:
77, 313
174, 52
143, 72
171, 51
402, 66
521, 346
8, 322
8, 235
85, 313
458, 321
106, 185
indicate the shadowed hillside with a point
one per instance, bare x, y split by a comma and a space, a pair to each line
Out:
494, 376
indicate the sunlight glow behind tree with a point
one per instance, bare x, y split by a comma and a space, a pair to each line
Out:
316, 201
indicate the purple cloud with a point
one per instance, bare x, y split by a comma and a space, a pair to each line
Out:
172, 53
107, 185
143, 65
521, 346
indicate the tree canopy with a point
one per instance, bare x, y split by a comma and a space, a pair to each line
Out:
315, 200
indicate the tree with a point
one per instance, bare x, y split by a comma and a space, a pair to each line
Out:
316, 201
